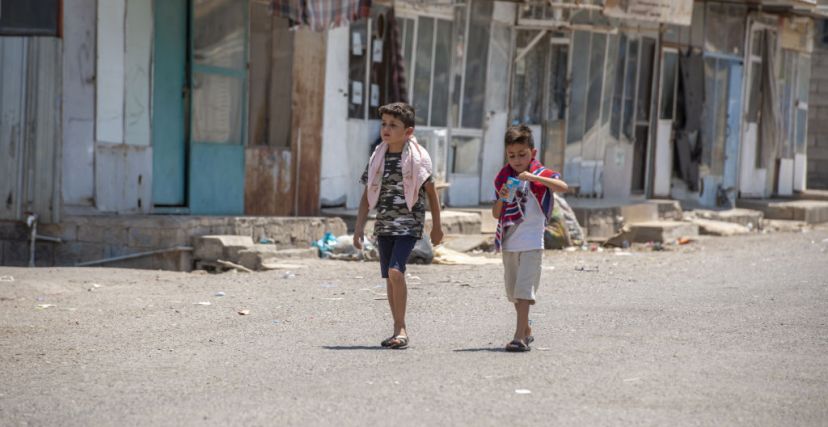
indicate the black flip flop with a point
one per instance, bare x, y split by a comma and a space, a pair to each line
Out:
517, 346
387, 342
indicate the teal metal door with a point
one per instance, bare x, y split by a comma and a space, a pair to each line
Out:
218, 73
169, 139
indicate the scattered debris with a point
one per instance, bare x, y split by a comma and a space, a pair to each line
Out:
244, 312
522, 391
44, 306
203, 303
6, 278
289, 275
412, 277
445, 256
585, 269
548, 267
684, 240
220, 294
281, 266
328, 285
235, 266
266, 240
333, 299
358, 277
629, 380
275, 322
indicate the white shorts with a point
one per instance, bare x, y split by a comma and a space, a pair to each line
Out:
522, 271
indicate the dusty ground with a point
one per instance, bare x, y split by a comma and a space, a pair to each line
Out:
721, 331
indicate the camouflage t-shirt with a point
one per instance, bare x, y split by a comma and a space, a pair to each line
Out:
393, 216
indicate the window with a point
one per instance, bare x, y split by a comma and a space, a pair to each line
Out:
30, 18
825, 31
426, 54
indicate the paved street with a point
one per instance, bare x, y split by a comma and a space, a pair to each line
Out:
720, 331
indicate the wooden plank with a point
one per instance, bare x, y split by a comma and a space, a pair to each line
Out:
12, 119
110, 72
307, 121
44, 130
268, 177
79, 92
123, 178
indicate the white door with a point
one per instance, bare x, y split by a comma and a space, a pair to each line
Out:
668, 89
752, 174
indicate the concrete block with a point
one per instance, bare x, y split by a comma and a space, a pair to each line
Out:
746, 217
639, 212
255, 257
469, 242
720, 228
14, 230
661, 231
75, 252
15, 253
212, 248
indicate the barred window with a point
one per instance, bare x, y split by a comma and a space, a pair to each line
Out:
30, 17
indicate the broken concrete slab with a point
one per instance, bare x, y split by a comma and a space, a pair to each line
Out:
257, 256
653, 231
749, 218
783, 226
213, 248
808, 211
669, 210
453, 221
720, 228
469, 242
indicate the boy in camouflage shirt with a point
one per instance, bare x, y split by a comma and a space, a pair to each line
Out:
397, 180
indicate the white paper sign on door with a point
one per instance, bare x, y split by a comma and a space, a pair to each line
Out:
377, 54
356, 44
356, 92
375, 95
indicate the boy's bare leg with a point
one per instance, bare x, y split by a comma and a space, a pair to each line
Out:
522, 330
389, 290
400, 294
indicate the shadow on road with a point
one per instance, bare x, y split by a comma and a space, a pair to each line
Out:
351, 347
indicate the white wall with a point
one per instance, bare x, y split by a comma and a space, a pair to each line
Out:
334, 182
79, 29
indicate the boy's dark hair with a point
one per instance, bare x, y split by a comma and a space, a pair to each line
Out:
519, 134
401, 111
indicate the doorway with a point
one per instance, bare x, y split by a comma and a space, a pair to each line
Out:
199, 106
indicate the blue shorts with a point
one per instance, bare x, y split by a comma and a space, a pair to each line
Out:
394, 252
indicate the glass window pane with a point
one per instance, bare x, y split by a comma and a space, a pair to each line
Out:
755, 94
596, 79
615, 126
422, 69
669, 76
465, 151
219, 33
725, 28
645, 87
457, 67
357, 69
477, 60
609, 78
558, 68
442, 60
216, 108
629, 89
528, 78
579, 86
408, 46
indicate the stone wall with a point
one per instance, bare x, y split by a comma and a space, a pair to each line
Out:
91, 238
818, 112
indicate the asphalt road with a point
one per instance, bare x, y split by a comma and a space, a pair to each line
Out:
722, 331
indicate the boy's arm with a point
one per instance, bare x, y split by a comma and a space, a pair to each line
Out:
434, 204
555, 184
362, 217
498, 206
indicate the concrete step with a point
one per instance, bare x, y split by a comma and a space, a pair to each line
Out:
808, 211
752, 219
469, 242
654, 231
812, 195
720, 228
259, 256
224, 247
488, 224
602, 219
